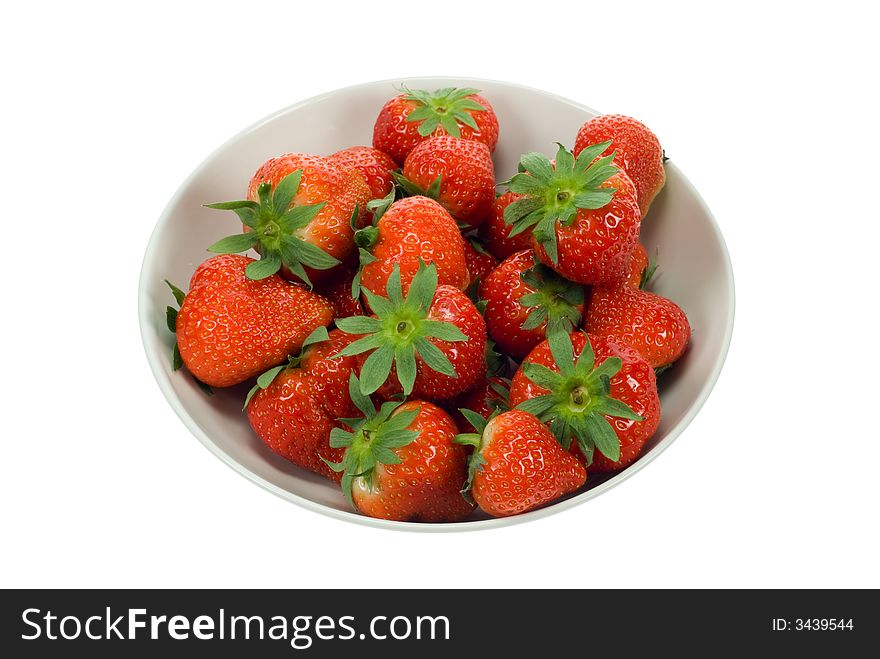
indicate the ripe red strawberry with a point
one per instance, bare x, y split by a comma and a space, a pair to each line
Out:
294, 407
524, 301
489, 396
636, 150
297, 216
231, 328
638, 267
495, 232
401, 462
591, 389
517, 464
411, 231
374, 165
337, 288
415, 115
479, 262
430, 342
456, 172
583, 214
653, 325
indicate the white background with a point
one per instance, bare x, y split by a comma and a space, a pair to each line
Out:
768, 107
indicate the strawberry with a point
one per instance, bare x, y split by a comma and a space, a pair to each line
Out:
401, 462
525, 301
409, 232
495, 233
479, 262
488, 396
297, 216
636, 150
591, 389
231, 328
517, 464
293, 407
337, 288
651, 324
583, 214
414, 115
641, 268
457, 173
374, 166
433, 340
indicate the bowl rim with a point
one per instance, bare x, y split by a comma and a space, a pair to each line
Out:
156, 360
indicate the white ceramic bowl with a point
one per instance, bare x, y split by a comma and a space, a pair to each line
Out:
695, 272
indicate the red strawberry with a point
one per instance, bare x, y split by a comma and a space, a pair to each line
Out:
411, 231
517, 464
231, 328
488, 396
638, 267
337, 288
495, 232
415, 115
593, 390
636, 150
456, 172
374, 165
431, 343
524, 301
297, 215
294, 407
479, 262
651, 324
583, 214
401, 462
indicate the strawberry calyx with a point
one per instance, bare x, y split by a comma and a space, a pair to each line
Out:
399, 331
293, 361
448, 107
579, 398
649, 272
554, 194
371, 439
366, 237
410, 188
477, 440
554, 301
276, 228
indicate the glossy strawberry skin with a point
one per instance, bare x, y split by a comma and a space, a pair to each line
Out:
231, 328
653, 325
638, 263
479, 264
322, 181
396, 136
494, 231
595, 248
426, 485
637, 151
525, 467
337, 290
467, 188
635, 385
504, 314
450, 305
374, 166
412, 229
296, 413
483, 398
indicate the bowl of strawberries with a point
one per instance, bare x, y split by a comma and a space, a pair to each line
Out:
437, 304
